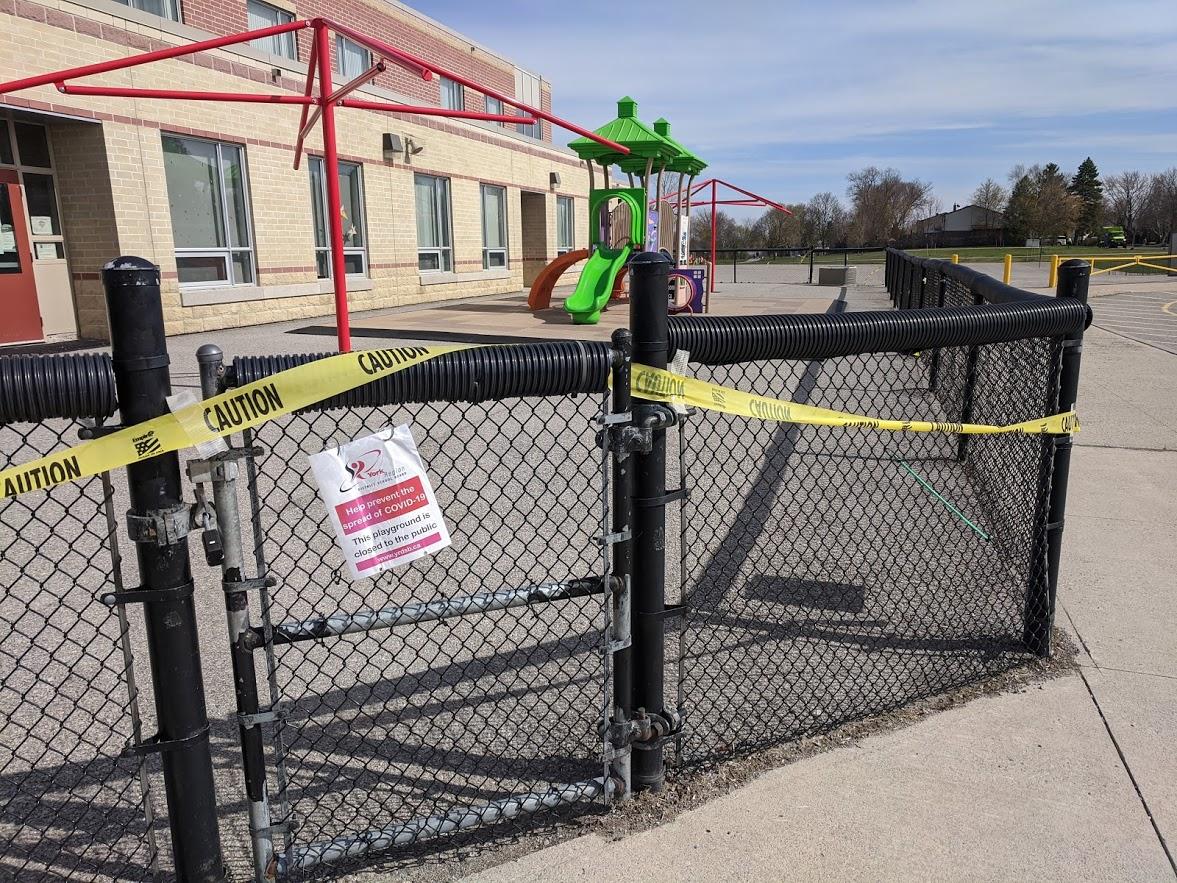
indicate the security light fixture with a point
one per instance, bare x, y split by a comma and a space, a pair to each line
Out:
392, 146
554, 179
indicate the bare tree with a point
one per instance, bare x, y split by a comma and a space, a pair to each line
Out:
826, 220
884, 204
1158, 216
1125, 195
991, 197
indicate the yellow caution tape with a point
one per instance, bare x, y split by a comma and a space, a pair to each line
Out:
232, 411
662, 386
304, 385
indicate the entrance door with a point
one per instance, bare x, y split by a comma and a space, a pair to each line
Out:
20, 317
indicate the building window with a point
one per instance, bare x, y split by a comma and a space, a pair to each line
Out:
351, 58
209, 199
163, 8
493, 105
451, 94
434, 244
355, 228
527, 91
263, 15
564, 226
494, 227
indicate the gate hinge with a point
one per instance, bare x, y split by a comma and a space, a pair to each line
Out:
161, 527
216, 469
157, 745
231, 587
610, 538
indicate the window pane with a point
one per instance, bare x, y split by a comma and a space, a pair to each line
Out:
203, 268
493, 105
352, 57
234, 175
193, 193
428, 260
493, 212
351, 200
496, 259
564, 222
354, 263
242, 268
322, 263
443, 212
262, 15
9, 256
48, 251
451, 94
427, 228
42, 205
6, 157
318, 204
32, 145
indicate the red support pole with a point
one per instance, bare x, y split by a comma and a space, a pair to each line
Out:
711, 281
182, 94
312, 66
434, 111
334, 203
147, 57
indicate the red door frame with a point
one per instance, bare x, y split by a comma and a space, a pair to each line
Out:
20, 314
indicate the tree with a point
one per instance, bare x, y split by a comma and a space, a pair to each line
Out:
729, 233
1020, 209
826, 219
1126, 193
1158, 217
884, 205
1087, 187
991, 197
1056, 211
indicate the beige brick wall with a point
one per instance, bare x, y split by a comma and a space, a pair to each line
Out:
126, 210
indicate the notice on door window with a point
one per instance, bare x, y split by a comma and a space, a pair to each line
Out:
380, 501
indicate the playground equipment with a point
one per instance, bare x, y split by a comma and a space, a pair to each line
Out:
621, 220
324, 104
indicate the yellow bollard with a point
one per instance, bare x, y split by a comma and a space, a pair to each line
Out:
1052, 281
956, 259
1008, 273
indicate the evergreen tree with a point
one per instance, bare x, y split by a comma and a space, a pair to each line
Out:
1021, 209
1087, 186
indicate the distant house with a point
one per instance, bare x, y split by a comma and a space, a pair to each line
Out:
964, 225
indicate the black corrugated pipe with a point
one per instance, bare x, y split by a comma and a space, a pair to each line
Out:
34, 388
991, 290
722, 340
474, 375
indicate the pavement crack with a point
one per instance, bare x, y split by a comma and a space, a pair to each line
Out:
1131, 776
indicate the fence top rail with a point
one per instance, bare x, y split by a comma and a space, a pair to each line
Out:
721, 340
474, 375
990, 290
44, 387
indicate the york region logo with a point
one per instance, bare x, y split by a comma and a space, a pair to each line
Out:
366, 466
146, 444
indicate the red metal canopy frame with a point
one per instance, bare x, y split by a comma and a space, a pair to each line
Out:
323, 103
744, 198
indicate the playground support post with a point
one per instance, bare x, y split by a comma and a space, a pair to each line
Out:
1073, 279
623, 488
158, 522
714, 268
334, 203
648, 308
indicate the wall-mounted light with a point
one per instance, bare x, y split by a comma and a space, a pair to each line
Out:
554, 179
392, 146
412, 148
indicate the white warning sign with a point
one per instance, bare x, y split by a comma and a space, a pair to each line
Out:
380, 501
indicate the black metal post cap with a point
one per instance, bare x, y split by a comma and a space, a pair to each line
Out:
130, 270
647, 258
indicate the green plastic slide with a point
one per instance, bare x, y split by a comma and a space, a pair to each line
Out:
595, 285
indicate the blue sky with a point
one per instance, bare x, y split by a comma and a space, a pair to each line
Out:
787, 97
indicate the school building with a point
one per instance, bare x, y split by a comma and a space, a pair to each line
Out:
433, 208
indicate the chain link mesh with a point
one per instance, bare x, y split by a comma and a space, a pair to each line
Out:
387, 726
71, 807
833, 574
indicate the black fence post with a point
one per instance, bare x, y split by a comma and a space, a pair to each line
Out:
623, 490
227, 550
1073, 279
811, 266
158, 523
969, 391
934, 370
649, 282
735, 256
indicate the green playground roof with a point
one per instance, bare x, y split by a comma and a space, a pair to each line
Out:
686, 162
627, 130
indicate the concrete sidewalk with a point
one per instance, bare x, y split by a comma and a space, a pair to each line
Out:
1073, 779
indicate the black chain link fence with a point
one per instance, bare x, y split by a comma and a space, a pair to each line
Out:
389, 726
72, 805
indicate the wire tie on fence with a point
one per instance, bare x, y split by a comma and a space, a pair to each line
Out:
1054, 525
947, 503
620, 417
682, 493
610, 538
156, 745
270, 715
148, 596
